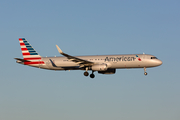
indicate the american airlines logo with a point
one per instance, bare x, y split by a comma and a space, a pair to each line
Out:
138, 58
116, 59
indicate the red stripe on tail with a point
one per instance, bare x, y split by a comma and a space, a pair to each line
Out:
29, 63
26, 54
32, 58
24, 49
22, 44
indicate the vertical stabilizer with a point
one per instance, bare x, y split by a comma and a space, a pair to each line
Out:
29, 53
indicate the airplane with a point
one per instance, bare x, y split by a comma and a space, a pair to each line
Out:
103, 64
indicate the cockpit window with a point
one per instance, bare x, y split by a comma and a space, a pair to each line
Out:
153, 57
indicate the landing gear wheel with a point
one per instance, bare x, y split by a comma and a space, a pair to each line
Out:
86, 74
92, 75
145, 73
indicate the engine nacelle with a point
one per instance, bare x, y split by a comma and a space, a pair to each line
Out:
99, 67
108, 71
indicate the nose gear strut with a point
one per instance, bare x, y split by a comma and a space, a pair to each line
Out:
145, 73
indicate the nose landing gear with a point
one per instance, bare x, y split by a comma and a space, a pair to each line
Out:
145, 73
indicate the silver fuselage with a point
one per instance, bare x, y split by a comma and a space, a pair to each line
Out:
112, 61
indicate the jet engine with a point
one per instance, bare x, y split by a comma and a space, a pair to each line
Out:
99, 67
108, 71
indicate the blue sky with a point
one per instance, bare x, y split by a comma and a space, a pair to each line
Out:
90, 28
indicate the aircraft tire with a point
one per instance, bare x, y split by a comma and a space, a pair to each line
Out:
86, 74
92, 75
145, 73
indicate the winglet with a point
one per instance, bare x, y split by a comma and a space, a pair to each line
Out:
59, 50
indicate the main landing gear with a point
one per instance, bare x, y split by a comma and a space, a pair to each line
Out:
86, 74
145, 73
91, 75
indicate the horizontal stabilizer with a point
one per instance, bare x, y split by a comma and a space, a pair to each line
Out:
22, 60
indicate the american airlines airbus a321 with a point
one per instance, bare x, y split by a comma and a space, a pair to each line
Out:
103, 64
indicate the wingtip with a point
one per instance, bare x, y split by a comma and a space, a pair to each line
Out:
59, 50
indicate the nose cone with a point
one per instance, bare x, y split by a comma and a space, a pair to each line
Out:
159, 62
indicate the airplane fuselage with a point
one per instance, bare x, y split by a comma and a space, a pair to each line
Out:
112, 61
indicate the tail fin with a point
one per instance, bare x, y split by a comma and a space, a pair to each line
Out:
28, 51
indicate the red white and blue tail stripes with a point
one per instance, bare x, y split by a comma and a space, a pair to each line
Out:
29, 53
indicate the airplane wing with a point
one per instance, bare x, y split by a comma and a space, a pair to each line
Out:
66, 68
79, 61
